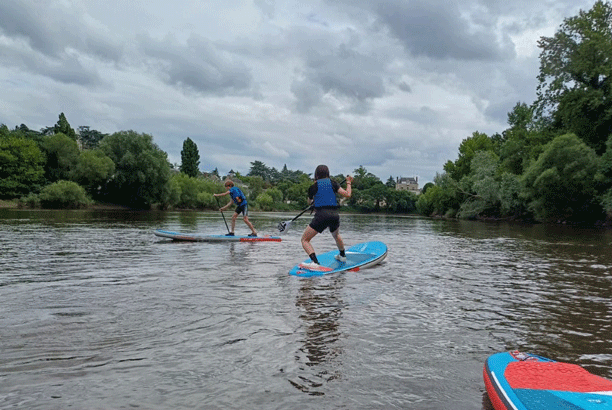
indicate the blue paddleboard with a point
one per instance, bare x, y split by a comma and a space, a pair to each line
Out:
524, 381
196, 237
358, 256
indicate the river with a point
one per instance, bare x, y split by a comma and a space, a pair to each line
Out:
98, 313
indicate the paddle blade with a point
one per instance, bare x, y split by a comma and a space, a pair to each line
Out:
283, 226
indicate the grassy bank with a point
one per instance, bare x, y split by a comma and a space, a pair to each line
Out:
8, 204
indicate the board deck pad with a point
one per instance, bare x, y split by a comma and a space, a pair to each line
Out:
198, 237
358, 256
524, 381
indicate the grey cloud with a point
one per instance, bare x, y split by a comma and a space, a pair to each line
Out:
50, 30
423, 115
70, 71
67, 69
344, 71
404, 87
266, 7
437, 30
16, 19
308, 95
199, 66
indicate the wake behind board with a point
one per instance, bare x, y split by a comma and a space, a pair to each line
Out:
524, 381
358, 256
196, 237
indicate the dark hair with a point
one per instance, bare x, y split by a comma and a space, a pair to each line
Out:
321, 172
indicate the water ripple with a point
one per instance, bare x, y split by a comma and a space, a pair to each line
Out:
99, 313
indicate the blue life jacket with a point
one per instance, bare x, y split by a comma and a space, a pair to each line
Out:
325, 195
237, 196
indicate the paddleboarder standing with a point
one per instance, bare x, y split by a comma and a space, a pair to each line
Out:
238, 198
322, 195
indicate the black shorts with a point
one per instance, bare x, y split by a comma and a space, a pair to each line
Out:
242, 209
325, 218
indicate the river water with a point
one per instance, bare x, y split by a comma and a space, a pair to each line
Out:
98, 313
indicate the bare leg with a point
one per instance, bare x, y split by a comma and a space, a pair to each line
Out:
234, 221
308, 234
338, 238
250, 225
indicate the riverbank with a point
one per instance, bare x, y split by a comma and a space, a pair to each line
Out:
14, 204
8, 204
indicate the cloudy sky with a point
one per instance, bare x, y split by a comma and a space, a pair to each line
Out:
392, 85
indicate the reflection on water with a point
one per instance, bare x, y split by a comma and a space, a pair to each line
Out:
321, 310
97, 312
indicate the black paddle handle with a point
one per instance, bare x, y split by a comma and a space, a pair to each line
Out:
219, 205
301, 213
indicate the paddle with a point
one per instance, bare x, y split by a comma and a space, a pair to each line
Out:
284, 226
228, 231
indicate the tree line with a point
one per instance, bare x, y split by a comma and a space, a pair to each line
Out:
58, 167
554, 161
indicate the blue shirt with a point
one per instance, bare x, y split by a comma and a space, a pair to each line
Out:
237, 196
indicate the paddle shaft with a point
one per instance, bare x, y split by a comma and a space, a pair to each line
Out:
228, 231
301, 213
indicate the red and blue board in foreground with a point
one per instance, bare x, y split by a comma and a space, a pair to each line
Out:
524, 381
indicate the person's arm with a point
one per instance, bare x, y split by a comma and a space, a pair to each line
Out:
312, 190
228, 205
222, 194
349, 190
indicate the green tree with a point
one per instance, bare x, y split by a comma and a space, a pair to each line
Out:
90, 139
62, 126
259, 169
561, 184
62, 155
190, 188
362, 178
275, 194
190, 158
441, 199
64, 194
21, 165
265, 201
256, 186
390, 182
606, 172
142, 170
523, 141
467, 149
575, 76
373, 198
426, 187
298, 193
401, 201
510, 196
92, 170
482, 198
25, 132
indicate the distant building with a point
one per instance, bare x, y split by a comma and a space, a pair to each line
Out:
408, 184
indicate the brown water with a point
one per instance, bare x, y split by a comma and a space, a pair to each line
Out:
98, 313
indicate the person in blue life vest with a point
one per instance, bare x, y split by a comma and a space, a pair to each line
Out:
238, 198
322, 195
